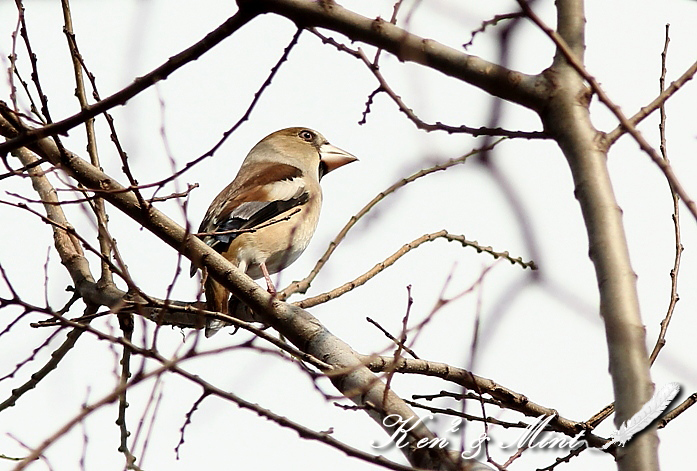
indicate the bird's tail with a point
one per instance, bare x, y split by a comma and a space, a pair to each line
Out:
237, 309
213, 326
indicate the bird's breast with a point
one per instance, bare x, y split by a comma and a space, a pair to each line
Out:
277, 245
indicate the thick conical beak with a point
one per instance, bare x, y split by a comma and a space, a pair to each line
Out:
333, 157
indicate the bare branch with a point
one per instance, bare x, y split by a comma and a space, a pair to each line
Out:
507, 397
492, 22
303, 285
682, 407
346, 287
661, 341
33, 61
492, 78
418, 122
56, 357
187, 420
657, 103
572, 59
18, 366
229, 27
568, 120
105, 241
209, 389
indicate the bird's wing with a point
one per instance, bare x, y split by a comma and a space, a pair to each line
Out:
265, 194
249, 215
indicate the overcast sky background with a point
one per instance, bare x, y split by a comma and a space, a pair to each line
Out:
544, 340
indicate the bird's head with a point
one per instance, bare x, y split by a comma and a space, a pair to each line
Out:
303, 148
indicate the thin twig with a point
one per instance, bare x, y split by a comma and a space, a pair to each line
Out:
418, 122
41, 373
474, 418
182, 194
393, 20
229, 26
458, 396
303, 285
492, 22
105, 241
34, 352
245, 115
674, 297
392, 337
565, 459
389, 261
187, 420
33, 60
682, 407
400, 343
158, 401
645, 111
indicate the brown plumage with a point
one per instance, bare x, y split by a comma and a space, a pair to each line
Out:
276, 192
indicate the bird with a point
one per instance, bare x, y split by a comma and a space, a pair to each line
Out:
264, 219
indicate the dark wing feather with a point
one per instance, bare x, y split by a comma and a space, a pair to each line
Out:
234, 208
249, 215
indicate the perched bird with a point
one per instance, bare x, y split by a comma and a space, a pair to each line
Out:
276, 198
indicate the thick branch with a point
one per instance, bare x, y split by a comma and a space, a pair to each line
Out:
507, 397
513, 86
567, 119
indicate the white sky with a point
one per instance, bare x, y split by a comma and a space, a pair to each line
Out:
545, 341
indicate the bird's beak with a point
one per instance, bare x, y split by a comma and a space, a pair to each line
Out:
333, 157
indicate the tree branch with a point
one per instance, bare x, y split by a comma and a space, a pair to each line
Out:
230, 26
572, 57
389, 261
506, 397
526, 90
567, 119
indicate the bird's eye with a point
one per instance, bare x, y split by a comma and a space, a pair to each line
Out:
306, 135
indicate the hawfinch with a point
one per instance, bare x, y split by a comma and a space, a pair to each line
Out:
265, 218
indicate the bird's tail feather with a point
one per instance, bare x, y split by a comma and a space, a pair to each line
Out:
237, 309
213, 326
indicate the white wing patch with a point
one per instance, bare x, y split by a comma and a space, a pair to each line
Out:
285, 189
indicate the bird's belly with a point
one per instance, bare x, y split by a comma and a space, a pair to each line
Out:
276, 252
